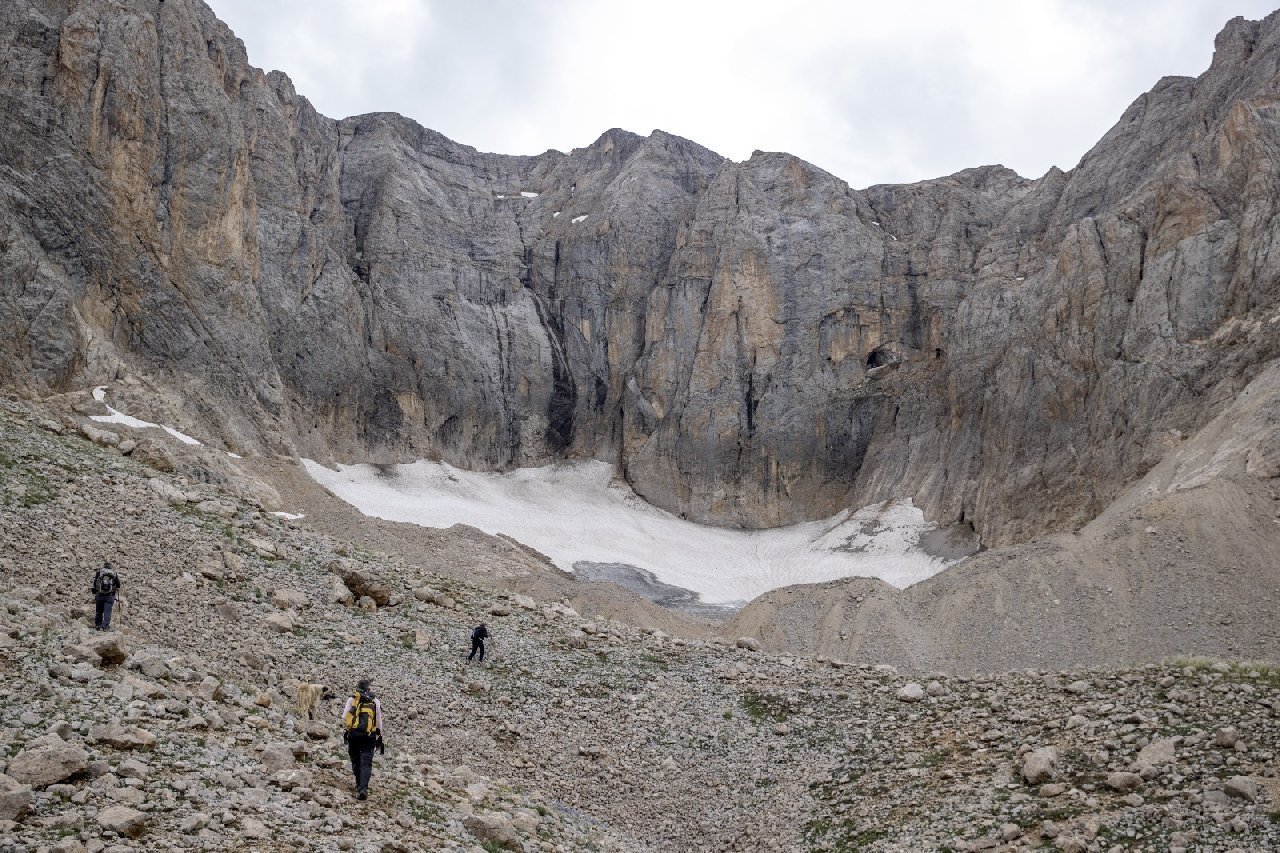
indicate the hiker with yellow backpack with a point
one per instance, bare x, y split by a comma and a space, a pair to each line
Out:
362, 733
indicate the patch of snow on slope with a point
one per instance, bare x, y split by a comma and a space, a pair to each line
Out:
526, 194
577, 512
578, 219
117, 417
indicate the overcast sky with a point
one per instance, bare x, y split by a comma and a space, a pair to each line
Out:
873, 92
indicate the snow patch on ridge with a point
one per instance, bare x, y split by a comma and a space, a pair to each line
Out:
117, 417
577, 512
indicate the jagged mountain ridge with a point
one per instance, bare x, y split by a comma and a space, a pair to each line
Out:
750, 343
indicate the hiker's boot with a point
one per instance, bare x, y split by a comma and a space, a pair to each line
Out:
362, 794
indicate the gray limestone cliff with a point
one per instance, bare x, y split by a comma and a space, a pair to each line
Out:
749, 343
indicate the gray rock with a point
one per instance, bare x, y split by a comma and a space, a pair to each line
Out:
339, 593
1123, 781
493, 829
1158, 753
195, 823
228, 611
106, 438
288, 780
123, 820
221, 509
47, 760
280, 622
264, 548
1040, 766
170, 493
15, 798
254, 829
364, 583
910, 692
132, 769
277, 757
112, 648
122, 736
290, 599
1241, 788
209, 689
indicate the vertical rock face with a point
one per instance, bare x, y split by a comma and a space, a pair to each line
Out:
750, 343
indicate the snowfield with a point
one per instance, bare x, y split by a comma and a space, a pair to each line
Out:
578, 513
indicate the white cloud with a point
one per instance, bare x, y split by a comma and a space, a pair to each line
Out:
872, 92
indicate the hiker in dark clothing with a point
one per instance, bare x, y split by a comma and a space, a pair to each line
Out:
478, 635
106, 583
362, 732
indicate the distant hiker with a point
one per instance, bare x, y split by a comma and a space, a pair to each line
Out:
362, 733
106, 584
478, 635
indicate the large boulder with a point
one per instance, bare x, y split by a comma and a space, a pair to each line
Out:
123, 820
171, 494
1040, 766
493, 829
1123, 781
1241, 788
110, 647
277, 757
121, 736
363, 581
48, 760
104, 437
281, 621
154, 454
15, 798
290, 599
1158, 753
910, 692
339, 593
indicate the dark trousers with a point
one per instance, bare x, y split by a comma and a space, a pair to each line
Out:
360, 748
476, 646
102, 615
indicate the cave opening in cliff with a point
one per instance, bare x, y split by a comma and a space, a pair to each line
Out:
879, 357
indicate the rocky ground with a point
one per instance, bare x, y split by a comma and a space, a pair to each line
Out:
177, 729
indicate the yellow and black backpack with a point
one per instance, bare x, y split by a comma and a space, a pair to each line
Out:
362, 719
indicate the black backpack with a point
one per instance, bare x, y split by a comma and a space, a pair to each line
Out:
106, 583
479, 633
